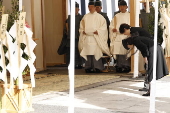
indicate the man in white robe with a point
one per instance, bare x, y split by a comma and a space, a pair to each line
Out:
116, 47
165, 21
93, 39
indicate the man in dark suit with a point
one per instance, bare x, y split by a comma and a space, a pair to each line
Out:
78, 58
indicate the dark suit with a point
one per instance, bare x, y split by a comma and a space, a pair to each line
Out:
141, 32
78, 59
116, 13
107, 19
145, 45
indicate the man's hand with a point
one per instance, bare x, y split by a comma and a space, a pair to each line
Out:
84, 33
95, 32
114, 30
146, 60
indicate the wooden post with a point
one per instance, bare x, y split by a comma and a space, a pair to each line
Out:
66, 8
132, 23
43, 40
65, 13
33, 30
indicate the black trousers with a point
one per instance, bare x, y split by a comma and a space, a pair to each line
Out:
78, 58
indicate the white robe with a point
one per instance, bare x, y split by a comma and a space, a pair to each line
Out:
165, 20
168, 9
92, 44
116, 47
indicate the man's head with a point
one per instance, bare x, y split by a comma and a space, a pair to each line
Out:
123, 6
124, 29
98, 5
118, 4
128, 43
91, 6
144, 5
76, 8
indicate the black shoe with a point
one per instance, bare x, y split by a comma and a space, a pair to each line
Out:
143, 89
89, 71
76, 67
80, 66
147, 94
97, 70
118, 70
126, 71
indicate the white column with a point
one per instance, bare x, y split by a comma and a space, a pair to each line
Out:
113, 7
116, 5
128, 4
72, 63
87, 9
20, 5
136, 56
109, 9
153, 83
104, 6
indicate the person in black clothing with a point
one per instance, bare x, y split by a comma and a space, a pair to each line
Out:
128, 30
78, 58
145, 45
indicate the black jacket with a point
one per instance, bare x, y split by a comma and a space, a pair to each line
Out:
78, 18
107, 19
143, 44
141, 32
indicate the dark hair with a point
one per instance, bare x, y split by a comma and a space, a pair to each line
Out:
98, 3
123, 27
122, 3
125, 44
77, 5
119, 1
91, 2
127, 41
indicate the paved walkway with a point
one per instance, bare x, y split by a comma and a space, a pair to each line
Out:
119, 96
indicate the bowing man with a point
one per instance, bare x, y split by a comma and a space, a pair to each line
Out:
145, 46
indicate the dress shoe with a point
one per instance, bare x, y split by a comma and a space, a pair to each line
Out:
119, 70
146, 94
143, 89
79, 67
97, 70
89, 71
